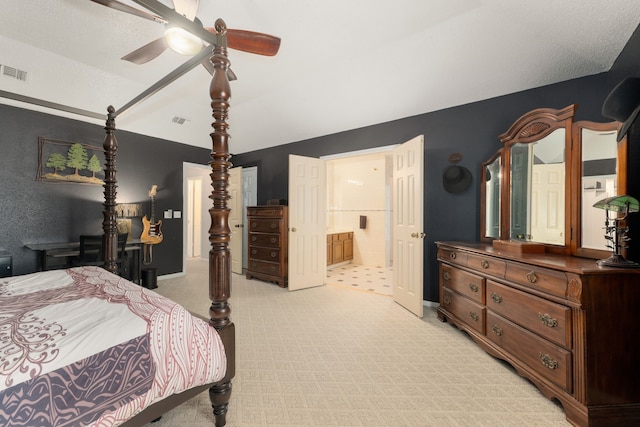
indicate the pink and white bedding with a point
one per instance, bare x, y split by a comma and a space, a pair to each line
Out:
86, 347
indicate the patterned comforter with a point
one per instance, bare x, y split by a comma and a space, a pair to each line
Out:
84, 347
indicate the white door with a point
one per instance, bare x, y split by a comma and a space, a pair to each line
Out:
235, 218
249, 198
547, 203
307, 222
194, 218
408, 235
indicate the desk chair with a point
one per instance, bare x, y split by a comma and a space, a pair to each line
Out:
91, 253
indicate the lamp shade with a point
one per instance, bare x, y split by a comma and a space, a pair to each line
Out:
622, 203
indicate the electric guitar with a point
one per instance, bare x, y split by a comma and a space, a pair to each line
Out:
151, 233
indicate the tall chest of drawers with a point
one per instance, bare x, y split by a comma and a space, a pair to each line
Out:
268, 244
569, 326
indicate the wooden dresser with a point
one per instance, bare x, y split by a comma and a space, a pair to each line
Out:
569, 326
268, 244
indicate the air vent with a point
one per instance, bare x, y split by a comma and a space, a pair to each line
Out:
179, 120
14, 72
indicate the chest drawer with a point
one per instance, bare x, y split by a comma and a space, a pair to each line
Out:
546, 359
452, 256
487, 265
264, 225
268, 240
469, 312
265, 267
264, 254
266, 211
468, 284
549, 281
548, 319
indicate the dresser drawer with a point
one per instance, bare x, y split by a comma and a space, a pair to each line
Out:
264, 225
469, 312
487, 265
268, 240
452, 256
550, 281
265, 267
468, 284
264, 254
276, 211
548, 319
546, 359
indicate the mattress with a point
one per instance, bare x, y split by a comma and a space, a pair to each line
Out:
86, 347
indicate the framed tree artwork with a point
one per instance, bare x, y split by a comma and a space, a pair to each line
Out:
62, 161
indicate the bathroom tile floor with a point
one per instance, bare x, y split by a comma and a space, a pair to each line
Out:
366, 278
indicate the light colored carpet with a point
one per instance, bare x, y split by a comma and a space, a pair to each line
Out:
329, 356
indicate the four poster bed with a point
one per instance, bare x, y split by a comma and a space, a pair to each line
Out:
62, 361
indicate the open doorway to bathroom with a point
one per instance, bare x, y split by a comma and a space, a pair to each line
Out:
359, 201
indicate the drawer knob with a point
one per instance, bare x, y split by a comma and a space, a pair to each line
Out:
547, 320
497, 330
548, 361
496, 298
452, 255
273, 254
273, 269
446, 275
474, 316
447, 299
273, 240
253, 251
484, 264
473, 287
253, 238
531, 277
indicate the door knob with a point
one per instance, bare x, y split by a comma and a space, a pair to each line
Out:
293, 229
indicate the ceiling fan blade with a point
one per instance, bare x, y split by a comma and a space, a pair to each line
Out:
231, 76
173, 17
193, 62
147, 52
250, 41
187, 8
114, 4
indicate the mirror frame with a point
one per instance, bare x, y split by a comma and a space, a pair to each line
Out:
532, 127
576, 170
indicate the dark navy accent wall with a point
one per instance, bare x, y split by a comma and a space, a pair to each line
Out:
44, 212
471, 130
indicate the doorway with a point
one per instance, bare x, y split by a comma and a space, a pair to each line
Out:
359, 200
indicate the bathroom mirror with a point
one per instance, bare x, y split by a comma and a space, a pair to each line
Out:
601, 173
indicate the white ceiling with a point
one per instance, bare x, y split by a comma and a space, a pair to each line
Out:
343, 64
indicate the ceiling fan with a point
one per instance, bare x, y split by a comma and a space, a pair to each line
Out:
180, 36
247, 41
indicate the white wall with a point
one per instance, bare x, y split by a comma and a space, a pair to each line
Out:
357, 186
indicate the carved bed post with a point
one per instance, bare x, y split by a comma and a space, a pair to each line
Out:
219, 233
109, 224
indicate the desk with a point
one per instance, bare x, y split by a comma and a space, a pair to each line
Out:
60, 255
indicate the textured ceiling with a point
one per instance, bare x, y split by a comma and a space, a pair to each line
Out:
343, 64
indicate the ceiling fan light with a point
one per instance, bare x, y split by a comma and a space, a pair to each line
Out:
182, 41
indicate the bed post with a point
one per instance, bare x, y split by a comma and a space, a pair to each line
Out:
219, 233
109, 224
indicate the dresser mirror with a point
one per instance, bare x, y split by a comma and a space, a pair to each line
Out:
541, 186
602, 173
490, 188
